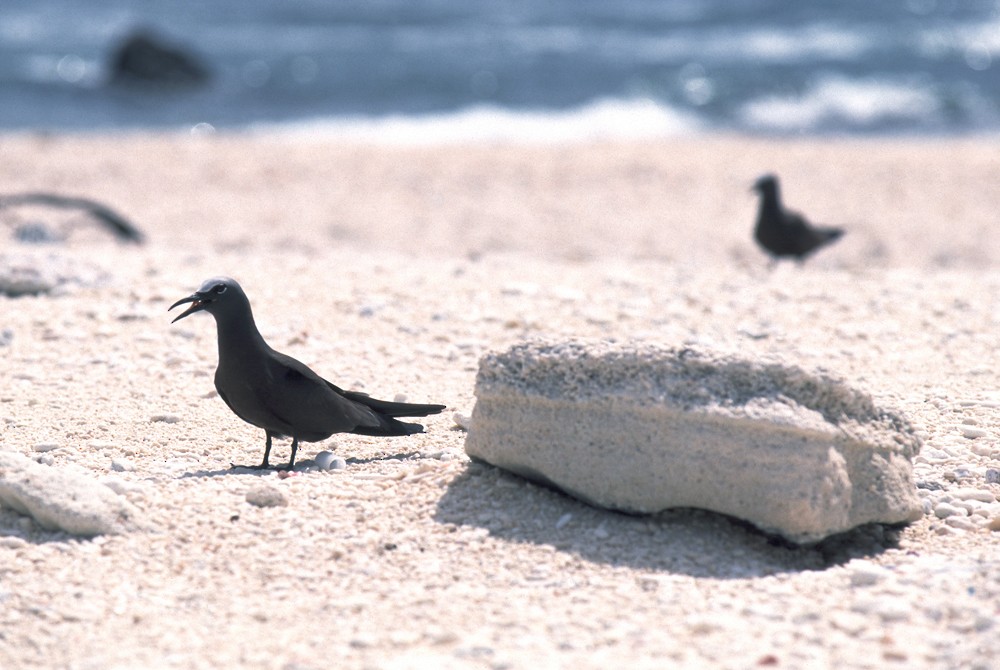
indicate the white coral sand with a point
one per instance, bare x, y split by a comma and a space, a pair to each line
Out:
393, 270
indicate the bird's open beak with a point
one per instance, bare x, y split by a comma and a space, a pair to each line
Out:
197, 304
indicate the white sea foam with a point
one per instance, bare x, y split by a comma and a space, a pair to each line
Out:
604, 119
978, 43
752, 44
858, 103
809, 43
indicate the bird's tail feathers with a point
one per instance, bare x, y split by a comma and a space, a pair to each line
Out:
831, 233
392, 409
389, 427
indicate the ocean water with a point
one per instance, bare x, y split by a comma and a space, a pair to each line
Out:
439, 70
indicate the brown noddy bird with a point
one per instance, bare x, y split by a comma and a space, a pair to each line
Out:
782, 232
280, 394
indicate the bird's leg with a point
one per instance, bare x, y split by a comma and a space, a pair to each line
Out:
295, 447
267, 451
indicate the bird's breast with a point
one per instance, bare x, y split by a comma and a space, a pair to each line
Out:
245, 390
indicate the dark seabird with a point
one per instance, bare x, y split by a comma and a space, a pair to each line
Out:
782, 232
278, 393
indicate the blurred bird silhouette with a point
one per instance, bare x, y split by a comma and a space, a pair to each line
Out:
782, 232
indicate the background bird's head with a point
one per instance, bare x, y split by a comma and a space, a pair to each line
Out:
767, 184
217, 296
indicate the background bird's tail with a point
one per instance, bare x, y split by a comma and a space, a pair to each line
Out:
831, 234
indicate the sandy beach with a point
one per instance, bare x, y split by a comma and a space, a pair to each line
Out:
392, 270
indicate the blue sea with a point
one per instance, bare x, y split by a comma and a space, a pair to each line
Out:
434, 70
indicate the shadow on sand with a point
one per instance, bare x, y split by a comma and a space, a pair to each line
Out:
681, 541
302, 466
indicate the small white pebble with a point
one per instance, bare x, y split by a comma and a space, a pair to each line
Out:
463, 421
958, 474
404, 638
42, 447
944, 510
400, 397
983, 622
890, 610
165, 418
982, 448
266, 496
338, 463
122, 465
864, 605
648, 582
362, 642
851, 623
519, 288
563, 520
45, 459
961, 522
973, 494
969, 506
12, 542
972, 432
866, 573
989, 511
119, 486
447, 456
324, 459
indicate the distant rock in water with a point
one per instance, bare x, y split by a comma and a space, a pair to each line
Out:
145, 59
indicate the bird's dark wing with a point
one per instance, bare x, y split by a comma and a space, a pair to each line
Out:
250, 402
795, 223
314, 406
303, 400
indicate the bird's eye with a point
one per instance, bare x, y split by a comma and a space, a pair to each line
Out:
220, 288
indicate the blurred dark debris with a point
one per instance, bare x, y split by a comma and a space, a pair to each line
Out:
33, 230
37, 272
